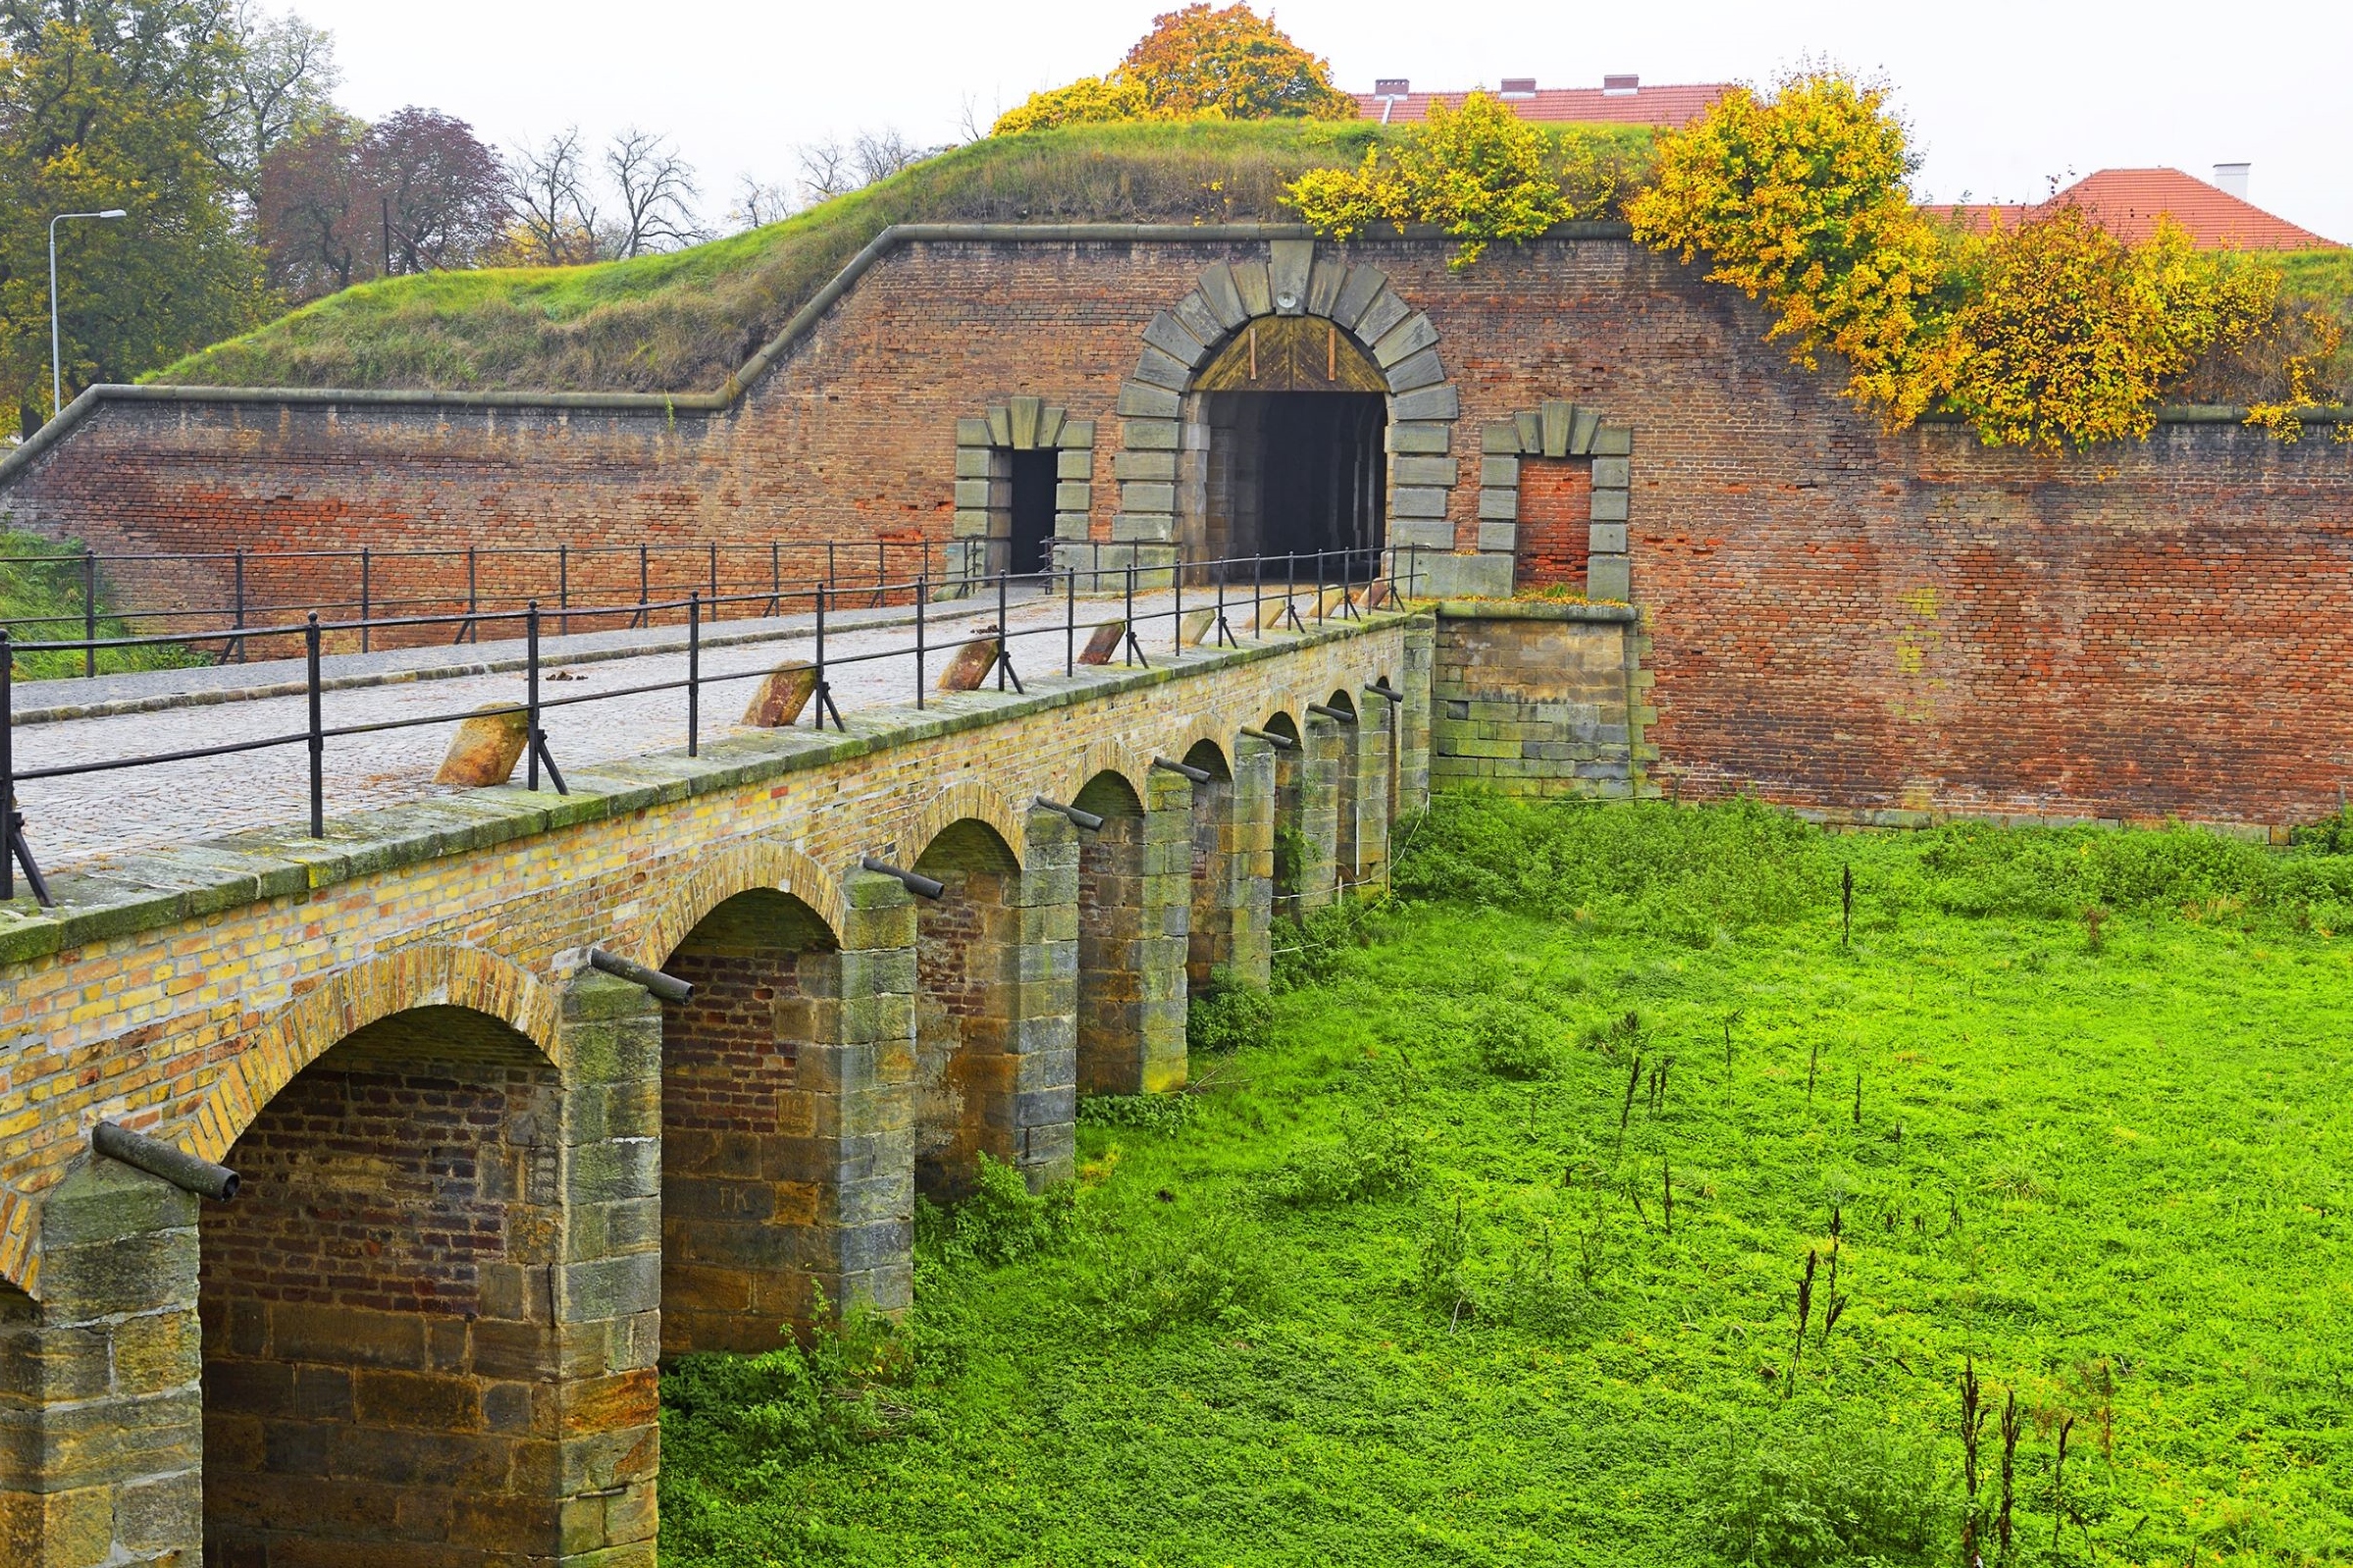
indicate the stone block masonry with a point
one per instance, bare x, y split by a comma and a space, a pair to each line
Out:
486, 1186
1541, 698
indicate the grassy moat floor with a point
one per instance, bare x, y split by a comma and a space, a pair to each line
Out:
1399, 1282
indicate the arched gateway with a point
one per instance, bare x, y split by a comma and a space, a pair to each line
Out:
1289, 403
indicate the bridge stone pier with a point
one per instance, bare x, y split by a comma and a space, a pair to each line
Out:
487, 1188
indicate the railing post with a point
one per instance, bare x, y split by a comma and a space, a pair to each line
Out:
693, 674
531, 695
1070, 622
776, 579
829, 547
8, 770
89, 612
922, 594
318, 730
1003, 648
644, 580
1176, 590
1319, 587
715, 579
240, 604
563, 589
367, 594
1127, 612
1258, 595
473, 597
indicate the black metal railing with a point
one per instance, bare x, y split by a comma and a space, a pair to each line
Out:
1336, 584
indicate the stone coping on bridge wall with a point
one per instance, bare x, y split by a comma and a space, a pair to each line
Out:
118, 897
1605, 612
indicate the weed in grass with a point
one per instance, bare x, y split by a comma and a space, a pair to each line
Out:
1001, 1221
1813, 1499
1973, 1428
1136, 1283
1510, 1045
1166, 1114
2009, 1456
1796, 1349
2094, 926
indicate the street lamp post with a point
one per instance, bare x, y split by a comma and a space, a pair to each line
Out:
57, 375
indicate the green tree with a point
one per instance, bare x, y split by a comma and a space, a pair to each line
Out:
116, 103
1198, 62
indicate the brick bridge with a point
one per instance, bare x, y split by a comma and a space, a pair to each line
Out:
486, 1185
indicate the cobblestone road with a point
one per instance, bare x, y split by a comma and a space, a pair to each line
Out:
87, 819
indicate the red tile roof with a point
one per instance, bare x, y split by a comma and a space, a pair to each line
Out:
2128, 202
1663, 107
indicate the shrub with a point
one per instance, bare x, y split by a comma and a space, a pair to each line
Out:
1510, 1045
1228, 1015
725, 1414
1001, 1221
1371, 1160
1480, 173
1145, 1113
1850, 1495
1170, 1276
1196, 62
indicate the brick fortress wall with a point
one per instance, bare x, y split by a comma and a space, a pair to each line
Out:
1843, 620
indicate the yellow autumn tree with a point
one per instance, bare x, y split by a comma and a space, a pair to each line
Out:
1200, 62
2068, 338
1802, 199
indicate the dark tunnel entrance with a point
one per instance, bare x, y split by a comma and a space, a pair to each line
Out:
1287, 422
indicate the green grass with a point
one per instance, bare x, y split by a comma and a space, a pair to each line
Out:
681, 322
1380, 1297
41, 600
2324, 277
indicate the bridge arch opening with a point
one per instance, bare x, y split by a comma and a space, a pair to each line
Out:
1345, 741
1112, 961
378, 1364
1290, 824
743, 1177
968, 1008
1219, 868
1288, 419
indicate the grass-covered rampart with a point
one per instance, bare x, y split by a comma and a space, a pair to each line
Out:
43, 598
681, 322
1490, 1248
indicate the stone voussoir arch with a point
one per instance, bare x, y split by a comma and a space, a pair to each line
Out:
740, 867
1555, 429
301, 1030
1109, 754
983, 503
1293, 277
961, 800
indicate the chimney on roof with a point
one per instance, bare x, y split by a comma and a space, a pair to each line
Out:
1620, 86
2232, 179
1391, 88
1519, 86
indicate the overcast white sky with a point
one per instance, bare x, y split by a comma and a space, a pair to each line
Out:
2002, 96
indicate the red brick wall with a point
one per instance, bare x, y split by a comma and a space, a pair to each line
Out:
1111, 927
1556, 497
1839, 619
372, 1384
964, 980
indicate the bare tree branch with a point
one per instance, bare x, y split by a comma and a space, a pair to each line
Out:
880, 155
760, 202
547, 192
825, 171
657, 195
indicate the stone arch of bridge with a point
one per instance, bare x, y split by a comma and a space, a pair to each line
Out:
965, 799
1171, 468
379, 1286
971, 1005
713, 879
302, 1029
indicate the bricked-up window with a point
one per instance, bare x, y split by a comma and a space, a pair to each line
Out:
735, 1120
968, 991
372, 1298
1557, 502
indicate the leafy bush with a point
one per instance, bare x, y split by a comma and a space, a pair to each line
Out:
1511, 1045
1372, 1158
1849, 1495
726, 1415
1228, 1015
1170, 1276
1001, 1221
1196, 62
1145, 1113
1480, 173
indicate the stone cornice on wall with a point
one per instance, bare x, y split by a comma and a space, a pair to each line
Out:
805, 320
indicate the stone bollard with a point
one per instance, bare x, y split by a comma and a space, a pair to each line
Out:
777, 700
485, 747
